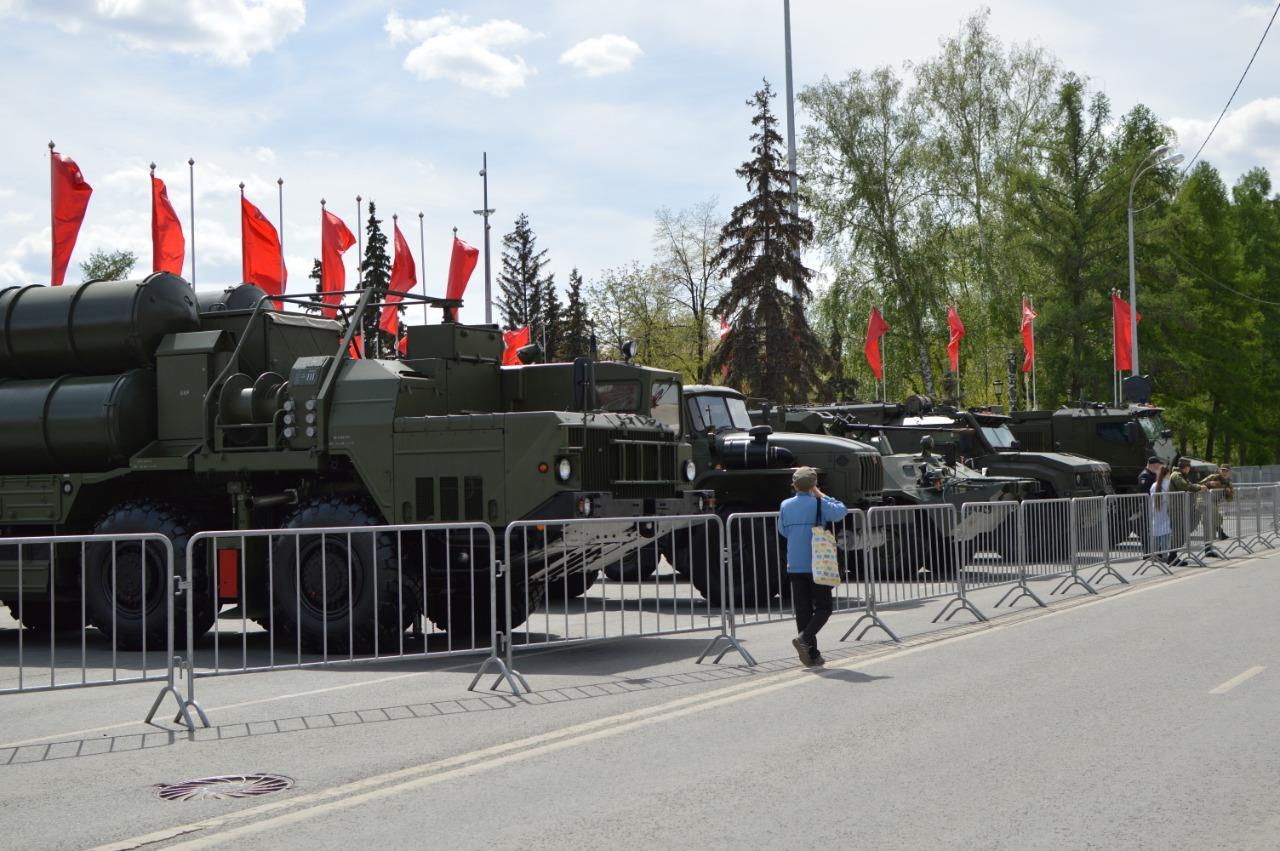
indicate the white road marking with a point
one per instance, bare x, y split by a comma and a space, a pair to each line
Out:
394, 782
1238, 679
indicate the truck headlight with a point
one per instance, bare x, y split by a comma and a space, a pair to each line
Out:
585, 506
690, 471
564, 469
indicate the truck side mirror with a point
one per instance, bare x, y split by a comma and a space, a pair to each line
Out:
580, 381
1015, 445
1133, 431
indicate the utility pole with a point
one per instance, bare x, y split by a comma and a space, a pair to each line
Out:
485, 212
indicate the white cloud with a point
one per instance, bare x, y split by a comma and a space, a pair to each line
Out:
604, 54
468, 55
226, 31
1248, 135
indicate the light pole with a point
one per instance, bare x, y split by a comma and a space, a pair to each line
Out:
1152, 160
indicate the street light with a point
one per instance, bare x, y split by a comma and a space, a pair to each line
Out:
1150, 161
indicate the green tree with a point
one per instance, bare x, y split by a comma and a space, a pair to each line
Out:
686, 243
316, 273
522, 283
770, 351
635, 303
576, 338
552, 326
375, 274
108, 265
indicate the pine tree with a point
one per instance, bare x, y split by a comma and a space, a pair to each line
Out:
552, 326
575, 338
521, 282
375, 274
770, 349
316, 274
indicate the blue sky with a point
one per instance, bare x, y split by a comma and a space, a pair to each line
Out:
594, 114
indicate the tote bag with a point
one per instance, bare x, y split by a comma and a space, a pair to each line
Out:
826, 569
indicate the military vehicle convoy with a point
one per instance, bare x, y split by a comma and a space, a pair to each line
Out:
134, 406
1123, 437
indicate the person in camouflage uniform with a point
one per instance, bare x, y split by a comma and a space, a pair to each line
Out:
1220, 480
1180, 483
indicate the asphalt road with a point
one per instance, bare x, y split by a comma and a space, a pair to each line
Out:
1143, 718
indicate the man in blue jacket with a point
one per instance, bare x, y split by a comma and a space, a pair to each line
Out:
796, 519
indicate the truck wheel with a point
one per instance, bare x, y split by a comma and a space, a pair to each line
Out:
332, 590
635, 566
35, 615
757, 570
464, 614
570, 587
138, 593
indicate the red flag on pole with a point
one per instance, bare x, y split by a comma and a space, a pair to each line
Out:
404, 277
1121, 332
513, 341
260, 259
876, 328
957, 333
725, 328
1028, 336
168, 248
335, 238
461, 264
69, 199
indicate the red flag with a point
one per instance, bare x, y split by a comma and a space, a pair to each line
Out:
356, 348
260, 251
168, 249
461, 264
876, 328
1028, 336
514, 340
725, 328
404, 277
335, 238
70, 198
1121, 332
957, 333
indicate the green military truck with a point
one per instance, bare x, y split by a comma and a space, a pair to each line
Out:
1123, 437
980, 439
133, 406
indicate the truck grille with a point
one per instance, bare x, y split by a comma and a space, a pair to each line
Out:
629, 464
871, 474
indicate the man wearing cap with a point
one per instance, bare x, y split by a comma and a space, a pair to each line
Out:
1179, 483
1146, 479
796, 519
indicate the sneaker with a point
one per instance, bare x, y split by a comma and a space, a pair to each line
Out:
1222, 536
804, 650
816, 659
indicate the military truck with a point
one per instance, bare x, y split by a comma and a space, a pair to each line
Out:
981, 439
1123, 437
925, 478
136, 406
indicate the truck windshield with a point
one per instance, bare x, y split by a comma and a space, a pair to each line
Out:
618, 396
998, 436
718, 412
665, 403
1152, 427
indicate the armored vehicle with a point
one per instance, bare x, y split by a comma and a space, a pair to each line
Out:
924, 477
980, 439
1123, 437
134, 406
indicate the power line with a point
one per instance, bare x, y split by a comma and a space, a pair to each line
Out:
1206, 276
1191, 162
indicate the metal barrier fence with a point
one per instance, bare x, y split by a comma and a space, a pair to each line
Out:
121, 584
312, 597
551, 582
1266, 474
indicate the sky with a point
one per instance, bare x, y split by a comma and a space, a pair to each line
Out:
594, 114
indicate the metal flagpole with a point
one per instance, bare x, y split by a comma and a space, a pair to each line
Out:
1115, 365
485, 212
360, 268
884, 368
791, 110
280, 199
1035, 402
422, 263
53, 224
191, 184
242, 230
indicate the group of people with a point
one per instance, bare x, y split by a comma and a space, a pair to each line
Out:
1159, 480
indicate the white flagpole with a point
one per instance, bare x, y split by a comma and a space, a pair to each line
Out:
422, 263
280, 199
1035, 400
191, 169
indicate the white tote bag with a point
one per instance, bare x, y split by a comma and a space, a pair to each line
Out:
826, 568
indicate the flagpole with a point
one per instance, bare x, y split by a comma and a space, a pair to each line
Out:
53, 224
422, 263
1115, 364
191, 183
242, 231
485, 212
1035, 400
280, 200
884, 367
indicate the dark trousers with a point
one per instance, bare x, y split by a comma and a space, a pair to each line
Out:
812, 604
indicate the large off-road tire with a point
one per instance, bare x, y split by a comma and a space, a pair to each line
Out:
758, 571
571, 587
122, 612
35, 615
463, 611
340, 593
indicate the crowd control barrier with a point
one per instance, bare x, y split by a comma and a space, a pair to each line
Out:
122, 584
553, 594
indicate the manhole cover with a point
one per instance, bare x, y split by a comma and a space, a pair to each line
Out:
227, 786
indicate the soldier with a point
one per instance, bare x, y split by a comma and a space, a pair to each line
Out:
1179, 483
1220, 480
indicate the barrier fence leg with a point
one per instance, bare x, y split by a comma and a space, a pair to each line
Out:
1022, 589
177, 664
499, 642
1072, 579
728, 619
961, 600
869, 613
